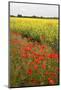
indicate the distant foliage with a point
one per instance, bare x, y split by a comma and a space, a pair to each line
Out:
12, 16
19, 15
34, 16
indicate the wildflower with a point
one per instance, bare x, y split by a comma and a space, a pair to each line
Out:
51, 81
37, 61
25, 55
35, 67
35, 54
43, 66
40, 57
27, 48
29, 72
55, 56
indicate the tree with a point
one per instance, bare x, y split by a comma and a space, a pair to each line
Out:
19, 15
34, 16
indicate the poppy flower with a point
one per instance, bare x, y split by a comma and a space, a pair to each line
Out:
51, 81
43, 66
40, 57
37, 61
35, 54
41, 50
27, 48
35, 67
25, 55
55, 56
29, 72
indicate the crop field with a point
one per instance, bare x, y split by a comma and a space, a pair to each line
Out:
34, 57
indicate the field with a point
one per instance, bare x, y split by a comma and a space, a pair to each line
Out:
33, 52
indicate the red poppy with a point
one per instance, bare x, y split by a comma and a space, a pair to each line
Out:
36, 54
55, 56
33, 56
27, 48
43, 66
36, 67
37, 61
41, 50
40, 57
51, 81
25, 55
29, 72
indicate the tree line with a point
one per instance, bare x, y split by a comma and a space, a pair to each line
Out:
34, 16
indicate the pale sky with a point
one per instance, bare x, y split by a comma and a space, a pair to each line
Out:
33, 9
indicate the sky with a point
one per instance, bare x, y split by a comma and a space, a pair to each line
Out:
33, 9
